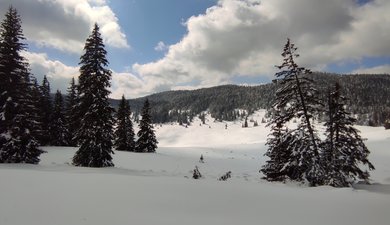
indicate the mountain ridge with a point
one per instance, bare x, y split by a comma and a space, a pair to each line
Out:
368, 94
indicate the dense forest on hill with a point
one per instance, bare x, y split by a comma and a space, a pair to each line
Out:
369, 99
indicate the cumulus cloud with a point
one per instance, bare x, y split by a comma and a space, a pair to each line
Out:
383, 69
58, 74
245, 38
161, 46
65, 24
127, 84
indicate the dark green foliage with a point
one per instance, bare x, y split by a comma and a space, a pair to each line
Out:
196, 174
371, 107
387, 124
71, 115
46, 110
245, 125
223, 101
17, 112
296, 97
343, 149
147, 141
226, 176
36, 111
95, 134
124, 133
58, 131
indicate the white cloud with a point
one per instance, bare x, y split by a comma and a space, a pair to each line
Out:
383, 69
65, 24
58, 74
161, 47
126, 84
245, 38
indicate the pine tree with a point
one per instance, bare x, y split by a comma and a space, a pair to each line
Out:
46, 110
17, 141
344, 149
58, 131
95, 133
71, 116
124, 134
147, 141
36, 111
295, 98
278, 152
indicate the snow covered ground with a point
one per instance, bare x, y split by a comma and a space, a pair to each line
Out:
147, 189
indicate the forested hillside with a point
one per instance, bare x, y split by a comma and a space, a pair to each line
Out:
369, 99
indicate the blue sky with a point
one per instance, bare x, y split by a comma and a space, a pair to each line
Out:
159, 45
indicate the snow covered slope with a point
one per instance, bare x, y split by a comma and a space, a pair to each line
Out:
147, 189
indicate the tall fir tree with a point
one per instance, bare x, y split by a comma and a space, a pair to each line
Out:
124, 133
71, 116
147, 141
46, 110
278, 141
36, 108
343, 148
95, 134
17, 141
58, 131
297, 98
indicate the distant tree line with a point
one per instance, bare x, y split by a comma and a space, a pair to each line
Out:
222, 102
30, 117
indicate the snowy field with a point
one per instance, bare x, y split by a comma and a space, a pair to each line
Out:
148, 189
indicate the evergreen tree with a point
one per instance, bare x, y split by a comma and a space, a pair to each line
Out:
278, 152
46, 110
147, 141
295, 98
95, 133
124, 134
36, 108
17, 141
58, 131
71, 116
344, 149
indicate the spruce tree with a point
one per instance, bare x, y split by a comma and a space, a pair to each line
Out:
17, 141
147, 141
71, 116
343, 148
36, 111
296, 97
278, 152
46, 110
95, 134
124, 134
58, 131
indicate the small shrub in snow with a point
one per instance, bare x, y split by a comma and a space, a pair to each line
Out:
196, 174
201, 159
226, 176
387, 124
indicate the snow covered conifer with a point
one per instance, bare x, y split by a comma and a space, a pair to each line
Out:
343, 149
36, 108
295, 98
124, 134
17, 141
196, 174
46, 110
147, 141
95, 134
58, 131
71, 116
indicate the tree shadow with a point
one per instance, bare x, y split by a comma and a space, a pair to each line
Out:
375, 187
